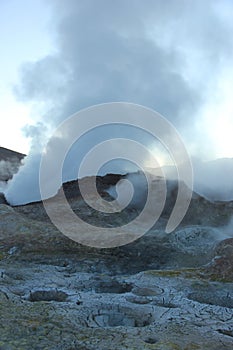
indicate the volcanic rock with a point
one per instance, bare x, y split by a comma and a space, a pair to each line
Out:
2, 199
221, 267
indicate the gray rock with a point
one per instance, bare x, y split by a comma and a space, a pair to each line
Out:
2, 198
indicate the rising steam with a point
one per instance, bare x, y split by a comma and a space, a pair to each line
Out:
172, 58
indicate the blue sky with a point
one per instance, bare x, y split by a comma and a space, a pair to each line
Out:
24, 36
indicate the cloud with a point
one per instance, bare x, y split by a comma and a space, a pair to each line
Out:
8, 168
105, 52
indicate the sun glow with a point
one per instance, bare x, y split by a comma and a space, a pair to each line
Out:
13, 117
218, 121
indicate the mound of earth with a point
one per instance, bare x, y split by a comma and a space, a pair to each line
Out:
221, 267
200, 212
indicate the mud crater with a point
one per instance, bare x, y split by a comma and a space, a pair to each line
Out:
115, 317
48, 295
211, 299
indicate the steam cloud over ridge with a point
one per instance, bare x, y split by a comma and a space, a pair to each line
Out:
170, 56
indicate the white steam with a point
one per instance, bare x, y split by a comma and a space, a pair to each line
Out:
8, 168
227, 231
176, 59
213, 179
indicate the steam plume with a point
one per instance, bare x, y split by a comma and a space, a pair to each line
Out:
169, 56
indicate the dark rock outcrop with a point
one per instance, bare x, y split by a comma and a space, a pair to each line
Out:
221, 267
10, 162
2, 199
7, 154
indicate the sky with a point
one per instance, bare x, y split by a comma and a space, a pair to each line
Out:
61, 56
186, 45
24, 37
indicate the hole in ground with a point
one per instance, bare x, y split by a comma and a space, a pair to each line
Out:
120, 319
48, 295
113, 286
150, 340
147, 291
125, 317
226, 332
212, 299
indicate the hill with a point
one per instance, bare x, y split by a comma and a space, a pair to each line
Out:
7, 154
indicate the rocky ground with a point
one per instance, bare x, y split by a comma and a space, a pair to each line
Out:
163, 291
